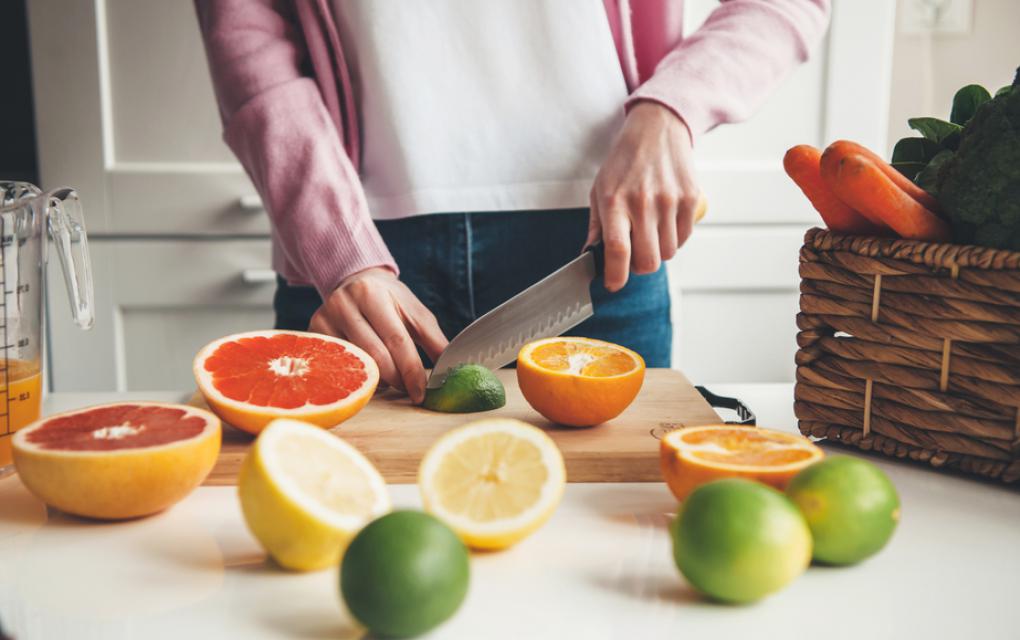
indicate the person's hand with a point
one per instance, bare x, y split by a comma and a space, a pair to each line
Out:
645, 195
377, 312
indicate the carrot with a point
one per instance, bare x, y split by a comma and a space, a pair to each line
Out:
862, 184
841, 148
802, 164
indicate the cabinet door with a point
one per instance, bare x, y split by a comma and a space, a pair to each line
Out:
157, 302
125, 113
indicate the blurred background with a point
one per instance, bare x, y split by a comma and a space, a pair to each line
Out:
113, 97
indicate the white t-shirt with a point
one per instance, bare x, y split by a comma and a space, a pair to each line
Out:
481, 105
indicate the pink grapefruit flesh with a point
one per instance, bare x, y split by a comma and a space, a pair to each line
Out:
251, 379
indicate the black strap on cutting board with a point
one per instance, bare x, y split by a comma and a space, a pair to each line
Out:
722, 402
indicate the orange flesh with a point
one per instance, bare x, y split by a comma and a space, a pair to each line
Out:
24, 391
122, 426
285, 371
744, 447
589, 360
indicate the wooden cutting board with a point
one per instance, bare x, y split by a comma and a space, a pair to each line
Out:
395, 435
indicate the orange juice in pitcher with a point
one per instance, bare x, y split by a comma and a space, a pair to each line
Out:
20, 402
27, 217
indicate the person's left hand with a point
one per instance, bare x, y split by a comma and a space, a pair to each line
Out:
645, 195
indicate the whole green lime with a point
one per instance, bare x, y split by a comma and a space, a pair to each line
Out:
738, 541
851, 506
467, 388
404, 574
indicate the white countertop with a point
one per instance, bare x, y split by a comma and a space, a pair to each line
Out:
601, 568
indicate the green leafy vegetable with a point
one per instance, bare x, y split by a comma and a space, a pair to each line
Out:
910, 155
927, 178
966, 101
979, 186
938, 131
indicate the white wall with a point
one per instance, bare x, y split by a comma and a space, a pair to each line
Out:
928, 68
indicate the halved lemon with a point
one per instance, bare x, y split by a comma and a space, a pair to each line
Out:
305, 493
494, 482
693, 456
579, 382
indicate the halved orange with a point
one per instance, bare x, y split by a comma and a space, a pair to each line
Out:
693, 456
251, 379
579, 382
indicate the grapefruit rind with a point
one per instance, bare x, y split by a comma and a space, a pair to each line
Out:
300, 533
254, 418
120, 483
499, 533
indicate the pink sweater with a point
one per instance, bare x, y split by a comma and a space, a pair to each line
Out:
288, 108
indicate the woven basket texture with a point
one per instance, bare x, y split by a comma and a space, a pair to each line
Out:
911, 349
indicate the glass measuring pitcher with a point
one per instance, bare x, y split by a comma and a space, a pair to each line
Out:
27, 216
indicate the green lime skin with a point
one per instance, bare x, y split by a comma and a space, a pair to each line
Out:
851, 506
467, 388
738, 541
404, 574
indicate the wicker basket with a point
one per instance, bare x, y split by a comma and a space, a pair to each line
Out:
911, 349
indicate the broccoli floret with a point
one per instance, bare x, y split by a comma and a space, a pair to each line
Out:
979, 187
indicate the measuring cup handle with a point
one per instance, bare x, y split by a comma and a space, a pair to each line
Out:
66, 225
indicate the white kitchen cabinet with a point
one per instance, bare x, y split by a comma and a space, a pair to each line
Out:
125, 112
158, 301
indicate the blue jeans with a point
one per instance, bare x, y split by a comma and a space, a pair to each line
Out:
461, 265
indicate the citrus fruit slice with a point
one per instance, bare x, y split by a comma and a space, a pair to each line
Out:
693, 456
579, 382
117, 461
850, 505
250, 379
305, 493
404, 574
493, 481
738, 541
468, 388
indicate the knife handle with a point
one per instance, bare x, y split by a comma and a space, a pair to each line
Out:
599, 253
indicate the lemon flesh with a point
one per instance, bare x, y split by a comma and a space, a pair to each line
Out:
493, 481
304, 493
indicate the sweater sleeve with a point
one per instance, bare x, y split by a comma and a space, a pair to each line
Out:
277, 125
727, 68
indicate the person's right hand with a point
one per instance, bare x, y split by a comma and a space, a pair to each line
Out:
377, 312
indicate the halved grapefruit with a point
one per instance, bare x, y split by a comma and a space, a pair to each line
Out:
251, 379
116, 461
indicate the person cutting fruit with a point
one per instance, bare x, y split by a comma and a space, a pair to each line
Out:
422, 162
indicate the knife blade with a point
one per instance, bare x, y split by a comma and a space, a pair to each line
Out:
548, 308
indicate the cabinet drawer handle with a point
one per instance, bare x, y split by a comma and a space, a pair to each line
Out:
250, 202
258, 276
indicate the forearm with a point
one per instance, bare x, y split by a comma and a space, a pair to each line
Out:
278, 127
726, 69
